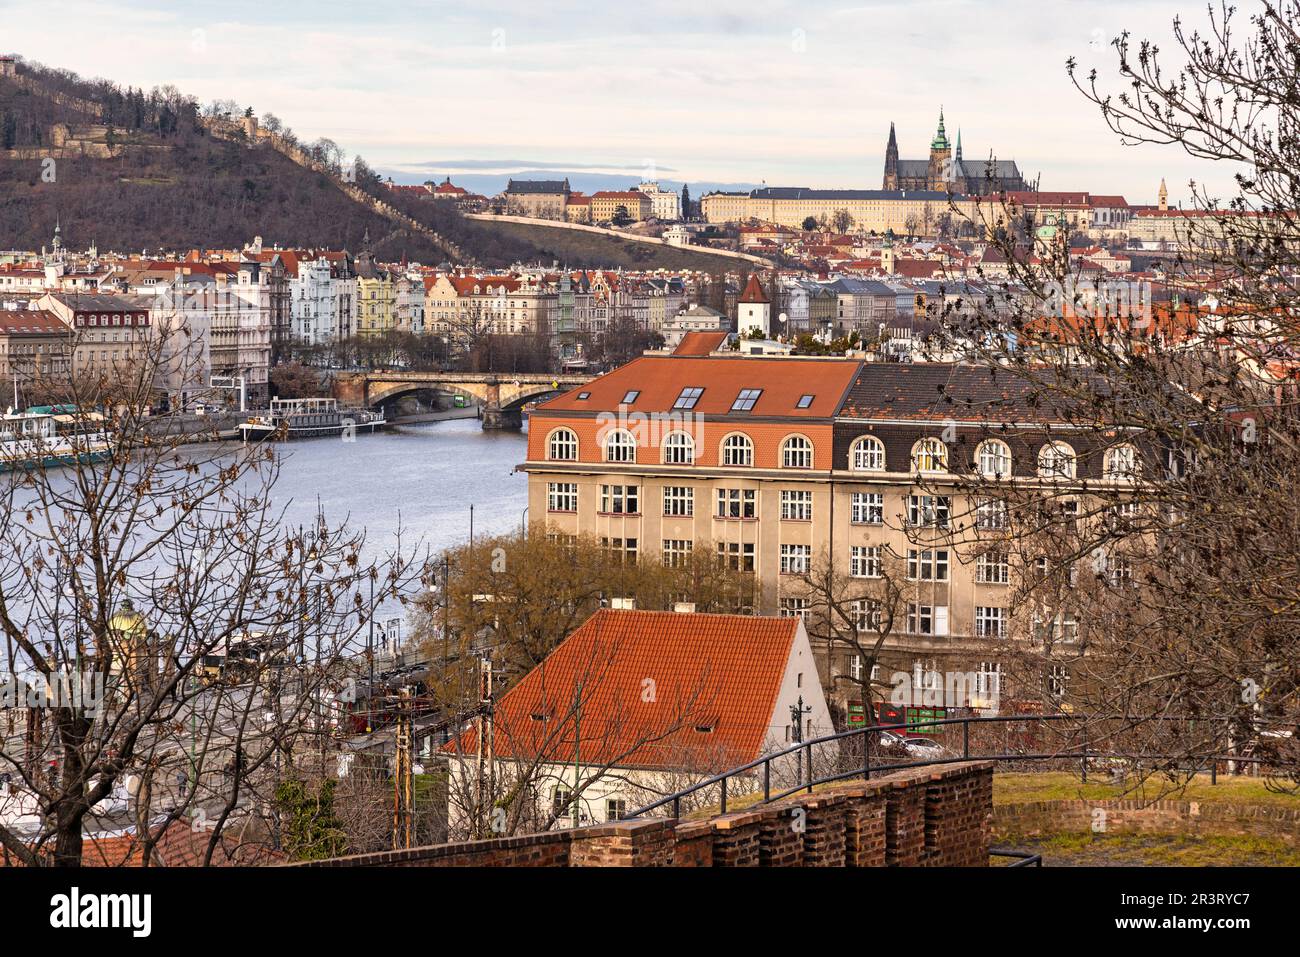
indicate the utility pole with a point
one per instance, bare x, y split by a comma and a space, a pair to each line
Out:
484, 772
403, 773
577, 753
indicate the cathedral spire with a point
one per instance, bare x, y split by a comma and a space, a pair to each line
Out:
891, 161
940, 137
959, 144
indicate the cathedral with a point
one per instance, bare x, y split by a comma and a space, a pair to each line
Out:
945, 170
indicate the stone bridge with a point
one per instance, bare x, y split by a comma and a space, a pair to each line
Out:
501, 395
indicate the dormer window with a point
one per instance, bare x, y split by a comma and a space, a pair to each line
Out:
690, 395
745, 400
631, 396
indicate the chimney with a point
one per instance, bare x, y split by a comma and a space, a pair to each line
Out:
623, 604
684, 607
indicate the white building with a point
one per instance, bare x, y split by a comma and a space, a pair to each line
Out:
664, 204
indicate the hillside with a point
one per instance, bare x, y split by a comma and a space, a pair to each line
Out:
131, 171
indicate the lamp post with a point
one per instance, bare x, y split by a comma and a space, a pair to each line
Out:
797, 711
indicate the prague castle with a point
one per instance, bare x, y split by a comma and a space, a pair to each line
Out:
947, 171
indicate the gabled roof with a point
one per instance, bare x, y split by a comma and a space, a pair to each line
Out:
700, 343
647, 681
661, 379
754, 291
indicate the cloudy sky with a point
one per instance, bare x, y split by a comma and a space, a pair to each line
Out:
721, 90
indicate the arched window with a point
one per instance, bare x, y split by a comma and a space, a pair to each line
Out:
679, 449
737, 449
1121, 464
563, 446
994, 459
796, 453
930, 455
868, 455
620, 446
1056, 460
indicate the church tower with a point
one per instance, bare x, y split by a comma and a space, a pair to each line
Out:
1163, 197
891, 161
941, 172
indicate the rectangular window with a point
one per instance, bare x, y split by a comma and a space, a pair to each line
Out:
677, 551
796, 506
689, 396
927, 619
864, 561
615, 808
990, 622
795, 559
992, 568
619, 499
621, 549
927, 565
928, 511
805, 401
562, 497
679, 500
737, 503
738, 556
745, 400
867, 508
794, 608
991, 514
866, 614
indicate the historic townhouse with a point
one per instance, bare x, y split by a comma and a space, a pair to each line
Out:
782, 465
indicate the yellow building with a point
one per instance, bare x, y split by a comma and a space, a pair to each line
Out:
906, 212
376, 296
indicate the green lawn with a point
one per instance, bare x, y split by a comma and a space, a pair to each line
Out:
1156, 850
1063, 786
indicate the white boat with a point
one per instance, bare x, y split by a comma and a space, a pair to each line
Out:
45, 439
309, 418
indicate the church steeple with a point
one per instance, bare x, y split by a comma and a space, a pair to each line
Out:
891, 161
1163, 197
940, 141
959, 144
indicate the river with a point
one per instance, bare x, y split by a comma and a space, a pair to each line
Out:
424, 475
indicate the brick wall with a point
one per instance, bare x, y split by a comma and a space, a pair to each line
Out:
932, 817
1035, 818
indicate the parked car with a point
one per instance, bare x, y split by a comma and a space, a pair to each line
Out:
924, 748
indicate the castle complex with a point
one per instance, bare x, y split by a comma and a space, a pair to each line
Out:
947, 171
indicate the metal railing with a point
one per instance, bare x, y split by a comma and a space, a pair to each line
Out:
806, 779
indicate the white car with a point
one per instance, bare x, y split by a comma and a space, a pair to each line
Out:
924, 748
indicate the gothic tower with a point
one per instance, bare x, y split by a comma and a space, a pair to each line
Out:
891, 161
941, 170
1163, 198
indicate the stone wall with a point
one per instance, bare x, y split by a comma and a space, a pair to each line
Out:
926, 817
1039, 818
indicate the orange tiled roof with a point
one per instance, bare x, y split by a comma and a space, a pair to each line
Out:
649, 680
700, 343
754, 291
661, 379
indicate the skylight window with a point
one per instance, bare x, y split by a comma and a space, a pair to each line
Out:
631, 396
745, 401
584, 395
690, 395
805, 401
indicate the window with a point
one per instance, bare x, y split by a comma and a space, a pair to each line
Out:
930, 455
584, 395
805, 401
794, 608
990, 514
620, 446
631, 396
867, 508
690, 395
796, 453
927, 565
1119, 571
1057, 680
990, 622
992, 568
619, 499
795, 559
866, 614
623, 550
679, 501
868, 455
796, 506
864, 561
1056, 460
561, 798
615, 808
745, 400
737, 450
927, 619
736, 503
677, 551
928, 511
562, 497
679, 449
738, 556
988, 680
1120, 464
994, 459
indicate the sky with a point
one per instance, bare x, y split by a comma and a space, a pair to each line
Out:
794, 94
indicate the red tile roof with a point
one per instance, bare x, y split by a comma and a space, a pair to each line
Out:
754, 291
661, 379
700, 343
178, 846
31, 322
649, 680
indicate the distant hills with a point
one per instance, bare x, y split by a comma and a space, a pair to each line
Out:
135, 171
489, 184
